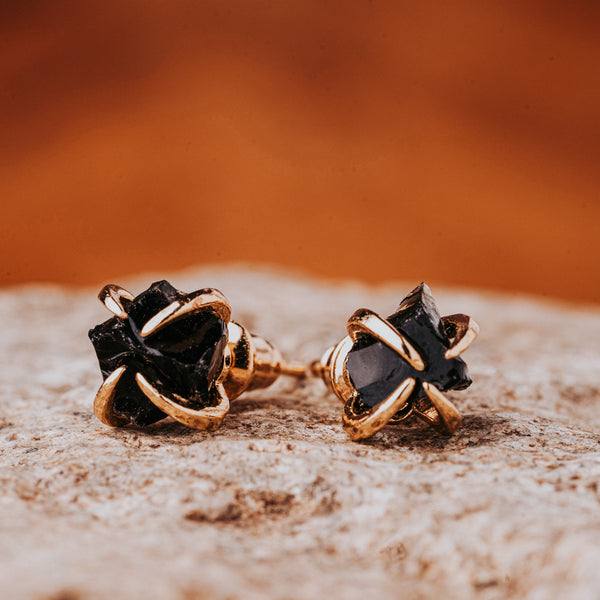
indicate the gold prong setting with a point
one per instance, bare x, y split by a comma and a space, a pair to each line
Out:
365, 424
187, 359
462, 330
366, 321
208, 418
115, 299
205, 300
104, 401
387, 369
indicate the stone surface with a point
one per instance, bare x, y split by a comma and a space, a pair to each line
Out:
376, 370
279, 503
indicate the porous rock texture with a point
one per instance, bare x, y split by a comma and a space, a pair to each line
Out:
279, 503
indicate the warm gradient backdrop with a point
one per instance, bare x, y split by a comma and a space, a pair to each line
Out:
457, 142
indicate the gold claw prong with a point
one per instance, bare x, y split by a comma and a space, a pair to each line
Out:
366, 321
115, 299
360, 428
212, 299
207, 419
103, 403
466, 332
449, 417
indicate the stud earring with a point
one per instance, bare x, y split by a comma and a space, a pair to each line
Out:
166, 353
386, 370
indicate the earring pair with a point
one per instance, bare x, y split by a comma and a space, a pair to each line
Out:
166, 353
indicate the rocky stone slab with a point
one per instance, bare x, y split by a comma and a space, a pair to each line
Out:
279, 503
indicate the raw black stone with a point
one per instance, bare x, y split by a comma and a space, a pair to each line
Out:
376, 370
184, 357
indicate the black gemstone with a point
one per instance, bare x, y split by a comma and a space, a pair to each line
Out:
376, 370
184, 357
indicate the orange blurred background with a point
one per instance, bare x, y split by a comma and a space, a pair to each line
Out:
455, 142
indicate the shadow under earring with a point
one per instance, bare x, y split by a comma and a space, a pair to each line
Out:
166, 353
386, 370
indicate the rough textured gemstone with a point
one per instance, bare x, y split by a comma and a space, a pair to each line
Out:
376, 370
184, 357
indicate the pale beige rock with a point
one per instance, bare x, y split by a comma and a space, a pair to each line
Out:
279, 503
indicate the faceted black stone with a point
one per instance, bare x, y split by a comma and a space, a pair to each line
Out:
184, 357
376, 370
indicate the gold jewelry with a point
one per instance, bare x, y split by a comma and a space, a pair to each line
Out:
386, 370
166, 353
